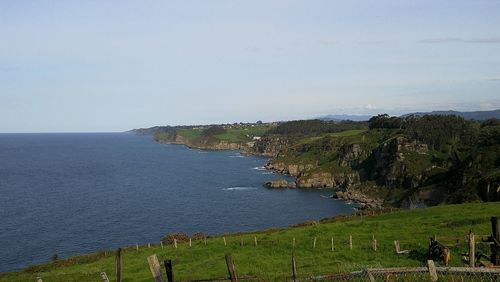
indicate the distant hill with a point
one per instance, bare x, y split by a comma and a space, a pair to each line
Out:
478, 115
149, 131
346, 117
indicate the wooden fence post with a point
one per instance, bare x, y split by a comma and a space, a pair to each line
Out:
230, 268
39, 279
495, 247
432, 270
255, 240
472, 249
118, 265
161, 243
374, 243
371, 277
241, 241
104, 277
169, 270
314, 243
350, 242
224, 238
294, 268
154, 266
149, 245
332, 244
189, 242
175, 243
293, 242
137, 246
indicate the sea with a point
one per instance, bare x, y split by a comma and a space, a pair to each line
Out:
75, 193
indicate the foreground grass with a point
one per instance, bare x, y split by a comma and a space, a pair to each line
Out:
270, 260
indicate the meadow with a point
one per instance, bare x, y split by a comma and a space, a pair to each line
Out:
270, 259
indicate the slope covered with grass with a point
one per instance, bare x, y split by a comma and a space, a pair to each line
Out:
270, 260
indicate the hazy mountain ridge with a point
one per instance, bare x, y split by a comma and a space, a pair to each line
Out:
476, 115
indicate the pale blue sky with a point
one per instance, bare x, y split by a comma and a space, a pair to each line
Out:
115, 65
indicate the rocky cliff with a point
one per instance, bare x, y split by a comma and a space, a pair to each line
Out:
270, 146
327, 179
398, 162
207, 144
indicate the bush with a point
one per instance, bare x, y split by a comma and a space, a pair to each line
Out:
180, 237
200, 236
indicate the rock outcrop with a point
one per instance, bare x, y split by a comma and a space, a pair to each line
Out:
387, 163
294, 170
220, 145
277, 184
327, 179
358, 197
349, 155
270, 146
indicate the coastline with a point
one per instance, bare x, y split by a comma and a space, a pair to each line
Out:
349, 194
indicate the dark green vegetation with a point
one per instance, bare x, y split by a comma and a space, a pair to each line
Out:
314, 127
270, 260
405, 161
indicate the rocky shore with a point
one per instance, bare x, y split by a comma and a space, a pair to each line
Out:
365, 201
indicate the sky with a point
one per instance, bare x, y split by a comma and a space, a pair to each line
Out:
97, 66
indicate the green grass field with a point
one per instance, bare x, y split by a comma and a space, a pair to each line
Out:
232, 135
271, 261
242, 134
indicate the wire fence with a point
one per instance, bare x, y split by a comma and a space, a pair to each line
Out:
454, 274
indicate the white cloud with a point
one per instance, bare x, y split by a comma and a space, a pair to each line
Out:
370, 107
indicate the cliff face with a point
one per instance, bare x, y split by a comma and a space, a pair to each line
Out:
294, 170
270, 146
398, 162
205, 144
327, 179
389, 163
349, 155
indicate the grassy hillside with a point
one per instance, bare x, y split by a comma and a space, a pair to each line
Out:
272, 261
206, 135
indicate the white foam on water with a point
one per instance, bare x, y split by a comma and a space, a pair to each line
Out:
236, 156
239, 188
261, 168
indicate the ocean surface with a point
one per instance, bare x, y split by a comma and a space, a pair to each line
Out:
71, 194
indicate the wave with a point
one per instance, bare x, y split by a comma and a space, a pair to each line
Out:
239, 188
261, 168
236, 156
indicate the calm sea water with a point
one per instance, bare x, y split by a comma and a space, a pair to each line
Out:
77, 193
